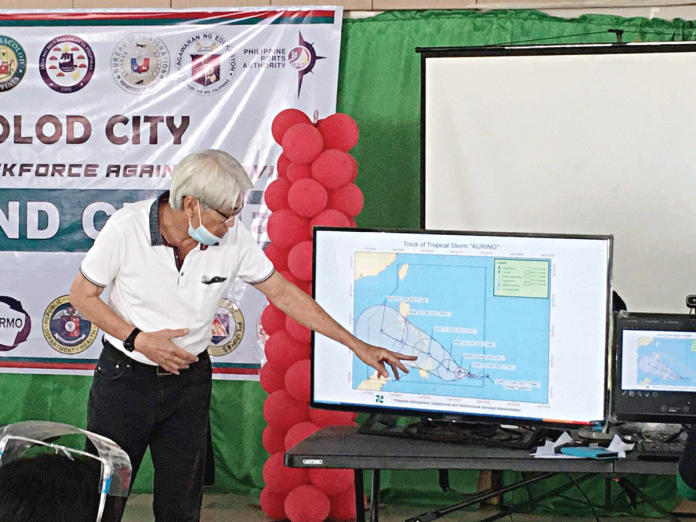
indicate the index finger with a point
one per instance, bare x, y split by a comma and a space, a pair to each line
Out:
397, 363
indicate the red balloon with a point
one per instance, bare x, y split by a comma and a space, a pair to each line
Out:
333, 168
286, 119
298, 433
353, 224
277, 255
300, 260
306, 287
297, 331
355, 168
282, 165
283, 351
272, 378
343, 505
273, 440
331, 418
286, 229
297, 380
348, 199
329, 218
332, 481
307, 504
272, 319
302, 143
281, 479
276, 194
298, 171
339, 131
307, 197
282, 411
273, 504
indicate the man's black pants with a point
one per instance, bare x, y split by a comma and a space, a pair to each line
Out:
136, 406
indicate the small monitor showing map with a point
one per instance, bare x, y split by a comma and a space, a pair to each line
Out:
655, 377
502, 325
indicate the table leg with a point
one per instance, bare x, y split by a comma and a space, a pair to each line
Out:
374, 501
359, 499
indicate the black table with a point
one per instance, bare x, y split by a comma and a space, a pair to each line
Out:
344, 447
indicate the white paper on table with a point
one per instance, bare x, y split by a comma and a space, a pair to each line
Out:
548, 450
620, 446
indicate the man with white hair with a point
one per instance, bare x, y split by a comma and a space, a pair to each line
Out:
168, 262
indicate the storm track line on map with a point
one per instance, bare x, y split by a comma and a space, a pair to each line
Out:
435, 359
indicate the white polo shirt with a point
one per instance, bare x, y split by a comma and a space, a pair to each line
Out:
147, 289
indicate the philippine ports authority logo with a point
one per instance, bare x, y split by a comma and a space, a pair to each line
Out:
139, 63
13, 63
228, 329
303, 58
15, 323
206, 63
66, 64
65, 329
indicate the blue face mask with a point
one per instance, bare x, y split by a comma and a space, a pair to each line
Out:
202, 234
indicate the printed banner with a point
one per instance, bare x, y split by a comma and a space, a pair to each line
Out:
97, 109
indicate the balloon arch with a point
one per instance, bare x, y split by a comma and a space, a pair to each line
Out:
315, 187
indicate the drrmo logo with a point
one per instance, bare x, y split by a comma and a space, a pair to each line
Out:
15, 323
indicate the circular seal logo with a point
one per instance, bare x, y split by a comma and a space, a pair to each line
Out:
65, 329
13, 63
139, 63
206, 63
228, 328
15, 323
300, 58
66, 64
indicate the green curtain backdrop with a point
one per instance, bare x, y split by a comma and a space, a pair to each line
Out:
379, 85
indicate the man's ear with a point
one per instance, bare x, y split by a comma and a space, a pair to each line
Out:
189, 204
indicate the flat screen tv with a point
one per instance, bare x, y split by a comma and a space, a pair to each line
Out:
505, 327
655, 369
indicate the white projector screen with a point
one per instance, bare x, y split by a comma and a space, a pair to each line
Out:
594, 139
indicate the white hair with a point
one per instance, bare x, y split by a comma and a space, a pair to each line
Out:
213, 177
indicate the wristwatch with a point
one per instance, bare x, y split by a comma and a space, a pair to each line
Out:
129, 342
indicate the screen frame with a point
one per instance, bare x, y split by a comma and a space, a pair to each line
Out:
510, 177
458, 416
427, 53
621, 403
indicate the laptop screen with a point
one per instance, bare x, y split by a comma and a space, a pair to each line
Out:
654, 377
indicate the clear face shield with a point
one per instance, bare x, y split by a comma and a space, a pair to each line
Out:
16, 439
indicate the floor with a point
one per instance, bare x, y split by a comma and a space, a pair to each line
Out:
238, 508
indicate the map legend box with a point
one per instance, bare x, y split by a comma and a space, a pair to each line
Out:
521, 278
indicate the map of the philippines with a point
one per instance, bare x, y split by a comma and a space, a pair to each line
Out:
665, 361
478, 326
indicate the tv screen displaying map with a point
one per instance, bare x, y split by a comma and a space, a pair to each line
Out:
656, 368
502, 325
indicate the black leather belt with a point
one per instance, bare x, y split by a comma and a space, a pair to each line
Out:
147, 368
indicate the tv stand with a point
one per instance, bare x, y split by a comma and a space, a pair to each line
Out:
456, 431
341, 447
